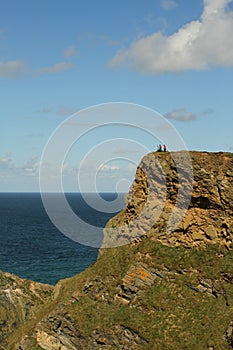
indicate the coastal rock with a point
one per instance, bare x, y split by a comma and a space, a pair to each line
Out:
164, 289
20, 301
152, 201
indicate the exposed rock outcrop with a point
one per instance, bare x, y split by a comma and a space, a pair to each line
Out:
206, 186
155, 293
20, 301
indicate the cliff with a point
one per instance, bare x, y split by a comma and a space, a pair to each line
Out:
170, 287
20, 301
193, 191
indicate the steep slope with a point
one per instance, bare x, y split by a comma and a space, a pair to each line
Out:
153, 199
20, 301
156, 292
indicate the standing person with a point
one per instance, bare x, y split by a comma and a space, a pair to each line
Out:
164, 148
159, 148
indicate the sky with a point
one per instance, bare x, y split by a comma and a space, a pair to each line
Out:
174, 57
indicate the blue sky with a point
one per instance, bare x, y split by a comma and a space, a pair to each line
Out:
56, 58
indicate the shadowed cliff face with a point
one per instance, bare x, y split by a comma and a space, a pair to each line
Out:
153, 293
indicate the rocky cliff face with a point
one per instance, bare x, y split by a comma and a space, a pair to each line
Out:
205, 184
20, 301
154, 293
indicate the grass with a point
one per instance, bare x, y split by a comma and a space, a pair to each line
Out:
167, 314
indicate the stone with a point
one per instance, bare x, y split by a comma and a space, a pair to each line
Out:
197, 235
210, 232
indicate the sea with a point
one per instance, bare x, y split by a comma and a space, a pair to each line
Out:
32, 247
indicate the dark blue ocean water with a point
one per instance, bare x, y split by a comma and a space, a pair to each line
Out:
32, 247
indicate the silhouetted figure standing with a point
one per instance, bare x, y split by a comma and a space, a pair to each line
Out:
164, 148
159, 149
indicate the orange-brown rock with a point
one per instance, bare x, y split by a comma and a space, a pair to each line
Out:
206, 189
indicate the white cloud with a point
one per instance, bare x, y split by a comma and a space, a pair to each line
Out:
168, 4
9, 168
15, 68
197, 45
12, 69
6, 162
213, 8
180, 115
31, 167
124, 171
57, 68
70, 51
109, 168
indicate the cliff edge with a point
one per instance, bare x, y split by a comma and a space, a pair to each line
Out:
165, 289
199, 190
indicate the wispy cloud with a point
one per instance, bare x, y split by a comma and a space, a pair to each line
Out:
6, 161
70, 51
16, 68
198, 45
180, 115
31, 167
168, 4
9, 168
12, 69
56, 68
109, 168
109, 171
